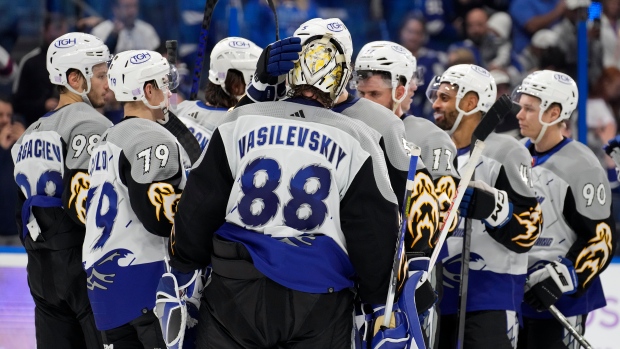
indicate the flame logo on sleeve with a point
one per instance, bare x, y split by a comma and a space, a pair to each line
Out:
595, 256
531, 221
423, 218
163, 198
445, 190
79, 192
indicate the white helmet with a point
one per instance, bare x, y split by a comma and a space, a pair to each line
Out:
390, 57
129, 71
550, 87
325, 59
468, 77
233, 53
75, 51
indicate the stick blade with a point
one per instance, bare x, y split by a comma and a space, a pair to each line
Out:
493, 117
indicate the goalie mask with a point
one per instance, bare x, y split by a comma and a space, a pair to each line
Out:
75, 51
550, 87
325, 59
465, 78
130, 70
233, 53
392, 58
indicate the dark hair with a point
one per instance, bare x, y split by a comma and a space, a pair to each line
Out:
235, 85
5, 99
321, 97
51, 18
412, 16
62, 89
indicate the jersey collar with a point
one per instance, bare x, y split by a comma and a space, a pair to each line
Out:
351, 100
202, 105
541, 158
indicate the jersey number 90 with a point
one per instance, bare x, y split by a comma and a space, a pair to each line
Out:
306, 209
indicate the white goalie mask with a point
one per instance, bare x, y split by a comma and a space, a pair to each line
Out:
392, 58
75, 51
233, 53
550, 87
325, 59
130, 70
467, 78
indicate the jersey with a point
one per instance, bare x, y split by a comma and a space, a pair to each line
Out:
575, 196
498, 265
439, 153
51, 160
304, 189
137, 176
426, 219
200, 119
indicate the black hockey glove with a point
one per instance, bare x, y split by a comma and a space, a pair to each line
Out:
545, 286
274, 63
483, 202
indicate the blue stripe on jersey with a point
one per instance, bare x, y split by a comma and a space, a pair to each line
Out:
487, 291
119, 290
304, 101
462, 151
541, 158
592, 299
202, 105
314, 265
346, 104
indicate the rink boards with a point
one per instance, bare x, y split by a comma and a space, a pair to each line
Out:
17, 308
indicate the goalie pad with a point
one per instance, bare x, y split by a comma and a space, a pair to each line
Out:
177, 307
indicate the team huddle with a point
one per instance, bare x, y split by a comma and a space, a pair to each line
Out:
282, 233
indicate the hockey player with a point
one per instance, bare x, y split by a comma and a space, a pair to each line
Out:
292, 207
503, 215
386, 73
232, 65
137, 174
51, 160
577, 242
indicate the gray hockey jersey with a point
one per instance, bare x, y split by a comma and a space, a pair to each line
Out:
200, 119
575, 196
137, 175
302, 188
499, 256
51, 160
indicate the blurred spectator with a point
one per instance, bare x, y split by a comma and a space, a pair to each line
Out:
529, 16
577, 10
413, 37
125, 31
443, 23
8, 24
529, 59
33, 93
601, 118
610, 33
500, 26
10, 131
461, 55
293, 13
7, 67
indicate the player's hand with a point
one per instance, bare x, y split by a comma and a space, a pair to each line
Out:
277, 59
545, 286
483, 202
613, 149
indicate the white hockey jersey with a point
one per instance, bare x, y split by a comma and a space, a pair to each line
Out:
575, 196
200, 119
51, 160
498, 264
137, 175
305, 190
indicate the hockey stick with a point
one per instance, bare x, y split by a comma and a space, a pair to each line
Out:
564, 321
172, 123
389, 304
202, 43
275, 16
493, 117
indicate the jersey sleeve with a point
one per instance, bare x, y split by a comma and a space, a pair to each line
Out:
79, 145
154, 176
202, 209
521, 232
587, 209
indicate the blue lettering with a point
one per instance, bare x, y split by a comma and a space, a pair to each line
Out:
242, 147
303, 134
251, 140
341, 155
19, 153
48, 151
324, 144
29, 151
56, 151
314, 141
273, 131
37, 148
262, 136
291, 133
331, 155
278, 139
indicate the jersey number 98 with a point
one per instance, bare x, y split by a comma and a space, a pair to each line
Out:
306, 209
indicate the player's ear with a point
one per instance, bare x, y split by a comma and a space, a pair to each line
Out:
400, 92
76, 80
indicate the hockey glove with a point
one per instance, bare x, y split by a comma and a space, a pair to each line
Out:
545, 286
274, 63
613, 149
483, 202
